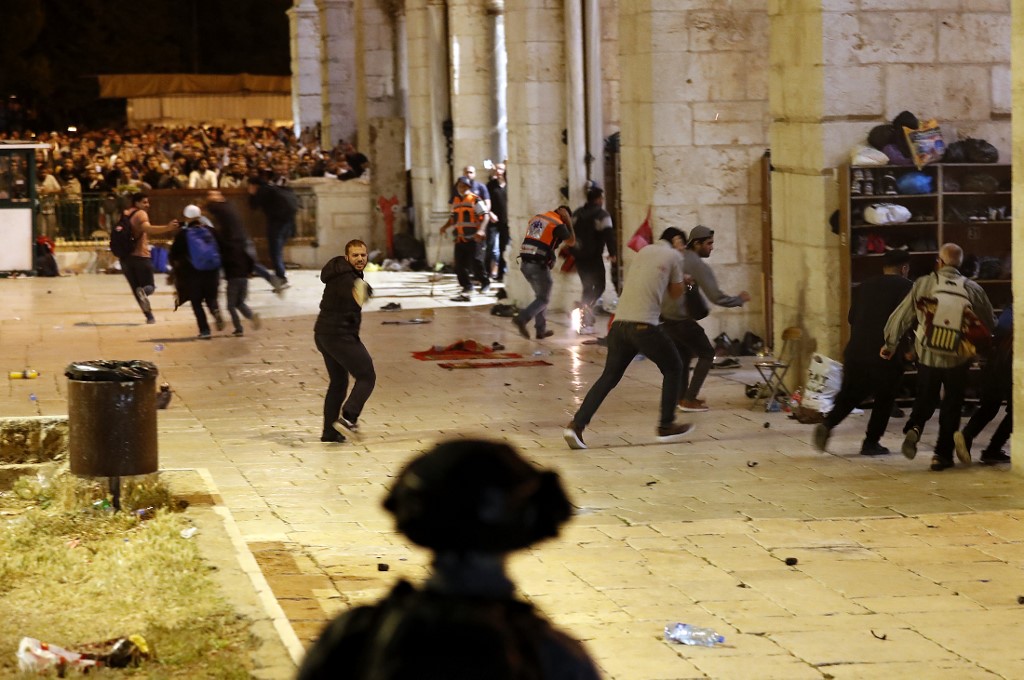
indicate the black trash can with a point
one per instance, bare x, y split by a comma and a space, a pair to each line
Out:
112, 418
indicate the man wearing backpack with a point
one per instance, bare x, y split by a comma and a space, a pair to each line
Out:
196, 259
129, 242
280, 205
945, 305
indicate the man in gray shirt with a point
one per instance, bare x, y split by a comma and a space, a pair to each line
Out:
678, 321
655, 271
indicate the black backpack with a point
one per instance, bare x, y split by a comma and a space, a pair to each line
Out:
122, 238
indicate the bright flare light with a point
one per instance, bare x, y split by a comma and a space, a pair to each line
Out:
576, 320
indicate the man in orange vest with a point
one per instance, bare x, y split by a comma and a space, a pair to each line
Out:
537, 256
469, 217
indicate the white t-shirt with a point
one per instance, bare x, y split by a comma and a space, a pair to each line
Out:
647, 280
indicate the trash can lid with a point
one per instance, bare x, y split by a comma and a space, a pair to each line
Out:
104, 370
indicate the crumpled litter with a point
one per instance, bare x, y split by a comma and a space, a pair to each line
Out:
36, 656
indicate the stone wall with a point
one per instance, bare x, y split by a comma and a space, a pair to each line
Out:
344, 212
837, 69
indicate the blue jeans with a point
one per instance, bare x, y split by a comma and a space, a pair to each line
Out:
276, 238
626, 339
539, 277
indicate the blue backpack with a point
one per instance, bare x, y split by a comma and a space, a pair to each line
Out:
202, 248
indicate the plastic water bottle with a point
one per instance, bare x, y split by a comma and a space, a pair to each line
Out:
685, 634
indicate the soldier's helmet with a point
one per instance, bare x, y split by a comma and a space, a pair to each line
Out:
476, 495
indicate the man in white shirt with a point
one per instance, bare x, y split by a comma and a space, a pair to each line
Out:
655, 271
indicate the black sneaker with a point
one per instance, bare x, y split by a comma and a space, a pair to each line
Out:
205, 336
821, 435
332, 438
544, 334
873, 449
521, 325
962, 445
940, 464
343, 425
573, 436
909, 448
676, 432
994, 457
238, 332
150, 319
140, 295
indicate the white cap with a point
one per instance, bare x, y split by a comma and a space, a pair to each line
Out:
192, 211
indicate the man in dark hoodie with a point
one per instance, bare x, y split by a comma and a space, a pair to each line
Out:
279, 205
238, 261
336, 334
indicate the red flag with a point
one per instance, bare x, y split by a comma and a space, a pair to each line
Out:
643, 236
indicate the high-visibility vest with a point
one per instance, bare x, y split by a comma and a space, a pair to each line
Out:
540, 243
465, 216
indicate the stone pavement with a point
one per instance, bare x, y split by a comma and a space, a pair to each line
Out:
900, 572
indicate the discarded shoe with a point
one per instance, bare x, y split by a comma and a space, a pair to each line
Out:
391, 307
728, 362
909, 448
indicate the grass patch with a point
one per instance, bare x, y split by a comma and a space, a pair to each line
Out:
73, 573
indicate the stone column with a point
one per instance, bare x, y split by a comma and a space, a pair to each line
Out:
339, 78
535, 38
472, 90
304, 22
1017, 75
692, 140
499, 62
427, 49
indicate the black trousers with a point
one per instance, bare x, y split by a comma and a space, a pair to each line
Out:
950, 383
998, 381
345, 355
138, 271
861, 379
593, 282
469, 257
691, 341
201, 287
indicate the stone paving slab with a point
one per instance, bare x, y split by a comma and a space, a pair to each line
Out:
696, 532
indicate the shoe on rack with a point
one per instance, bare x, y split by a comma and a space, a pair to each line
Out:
940, 464
676, 432
994, 457
909, 448
821, 435
521, 325
693, 405
573, 436
344, 425
257, 322
544, 334
140, 295
873, 449
218, 321
963, 447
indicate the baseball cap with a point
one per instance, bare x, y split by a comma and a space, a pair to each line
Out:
464, 180
699, 233
192, 211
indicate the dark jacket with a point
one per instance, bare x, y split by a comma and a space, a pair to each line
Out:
873, 301
189, 282
279, 204
340, 314
593, 234
233, 240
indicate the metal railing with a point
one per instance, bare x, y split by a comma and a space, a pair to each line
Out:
84, 220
